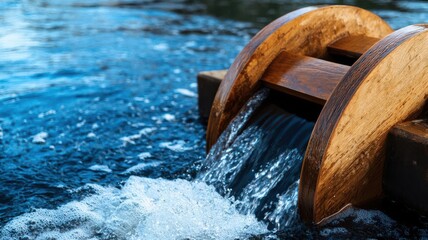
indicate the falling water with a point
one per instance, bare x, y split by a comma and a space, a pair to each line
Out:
257, 161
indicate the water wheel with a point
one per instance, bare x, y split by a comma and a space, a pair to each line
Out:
367, 79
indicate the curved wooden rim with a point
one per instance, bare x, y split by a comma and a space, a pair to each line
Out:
344, 159
306, 31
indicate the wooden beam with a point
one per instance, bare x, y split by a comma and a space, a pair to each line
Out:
406, 165
305, 77
352, 46
208, 83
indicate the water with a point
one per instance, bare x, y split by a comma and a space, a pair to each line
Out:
257, 161
143, 208
99, 95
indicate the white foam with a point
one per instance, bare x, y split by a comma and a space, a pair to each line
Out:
176, 146
1, 134
141, 166
186, 92
362, 216
161, 47
50, 112
143, 209
141, 99
100, 168
40, 137
91, 135
80, 124
144, 155
168, 117
131, 139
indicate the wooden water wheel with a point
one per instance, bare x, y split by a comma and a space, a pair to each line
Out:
367, 78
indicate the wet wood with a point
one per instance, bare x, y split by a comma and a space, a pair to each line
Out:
304, 77
345, 155
406, 165
307, 31
352, 46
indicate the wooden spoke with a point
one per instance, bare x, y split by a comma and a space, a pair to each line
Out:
308, 78
352, 46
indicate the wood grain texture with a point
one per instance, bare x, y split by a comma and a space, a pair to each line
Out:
304, 77
345, 155
307, 31
352, 46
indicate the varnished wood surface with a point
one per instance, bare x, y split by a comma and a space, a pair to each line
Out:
352, 46
307, 31
305, 77
345, 155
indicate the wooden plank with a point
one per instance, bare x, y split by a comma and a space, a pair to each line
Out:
352, 46
305, 77
406, 165
345, 155
208, 83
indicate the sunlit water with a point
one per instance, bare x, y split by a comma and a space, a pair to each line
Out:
98, 122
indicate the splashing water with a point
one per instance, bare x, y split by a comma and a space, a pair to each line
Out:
142, 209
257, 161
255, 165
103, 81
147, 208
178, 209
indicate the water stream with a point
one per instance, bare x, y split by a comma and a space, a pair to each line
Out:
100, 136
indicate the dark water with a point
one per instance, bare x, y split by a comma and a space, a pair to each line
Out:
97, 91
257, 162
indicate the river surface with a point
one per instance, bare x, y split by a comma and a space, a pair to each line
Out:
99, 97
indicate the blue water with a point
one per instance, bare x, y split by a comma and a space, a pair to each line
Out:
98, 91
89, 76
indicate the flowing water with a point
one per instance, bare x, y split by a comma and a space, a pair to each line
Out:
100, 136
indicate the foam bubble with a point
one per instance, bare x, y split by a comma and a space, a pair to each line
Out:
168, 117
144, 155
44, 114
91, 135
186, 92
40, 137
141, 166
142, 209
131, 139
100, 168
176, 146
